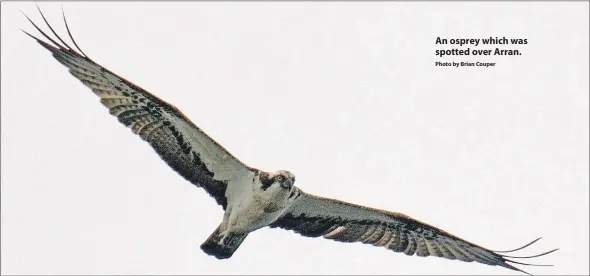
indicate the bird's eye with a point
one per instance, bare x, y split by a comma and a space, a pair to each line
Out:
280, 178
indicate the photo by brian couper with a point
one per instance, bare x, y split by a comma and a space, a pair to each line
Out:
465, 63
295, 138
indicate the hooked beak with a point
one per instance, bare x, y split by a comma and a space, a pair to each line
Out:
287, 184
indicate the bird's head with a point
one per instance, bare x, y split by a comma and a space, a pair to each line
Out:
284, 178
280, 178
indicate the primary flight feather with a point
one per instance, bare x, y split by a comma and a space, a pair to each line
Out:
252, 198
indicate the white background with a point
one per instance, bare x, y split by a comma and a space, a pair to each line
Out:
345, 95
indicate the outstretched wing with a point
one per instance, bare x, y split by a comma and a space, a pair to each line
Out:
185, 147
314, 216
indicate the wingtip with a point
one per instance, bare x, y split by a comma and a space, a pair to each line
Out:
70, 34
522, 247
33, 37
27, 33
26, 16
532, 256
43, 43
509, 266
38, 8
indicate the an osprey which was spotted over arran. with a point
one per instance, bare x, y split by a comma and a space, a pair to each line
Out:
253, 198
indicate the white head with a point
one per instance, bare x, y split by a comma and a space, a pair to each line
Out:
282, 178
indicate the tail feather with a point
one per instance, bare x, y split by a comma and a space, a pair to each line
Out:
222, 246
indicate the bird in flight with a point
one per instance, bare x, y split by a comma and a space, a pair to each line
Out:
252, 198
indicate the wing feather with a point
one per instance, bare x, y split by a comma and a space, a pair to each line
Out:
315, 216
180, 143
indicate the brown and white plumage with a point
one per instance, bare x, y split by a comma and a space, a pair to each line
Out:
181, 144
250, 197
314, 216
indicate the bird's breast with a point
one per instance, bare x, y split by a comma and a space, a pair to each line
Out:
256, 211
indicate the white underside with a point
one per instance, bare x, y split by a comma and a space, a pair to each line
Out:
247, 208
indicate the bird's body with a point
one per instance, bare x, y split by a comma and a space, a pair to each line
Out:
252, 198
254, 207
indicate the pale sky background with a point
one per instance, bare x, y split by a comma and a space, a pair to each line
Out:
344, 95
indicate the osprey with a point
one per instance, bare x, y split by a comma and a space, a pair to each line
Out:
252, 198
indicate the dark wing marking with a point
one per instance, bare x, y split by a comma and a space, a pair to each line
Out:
184, 147
314, 216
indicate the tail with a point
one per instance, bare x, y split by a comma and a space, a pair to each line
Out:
222, 247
